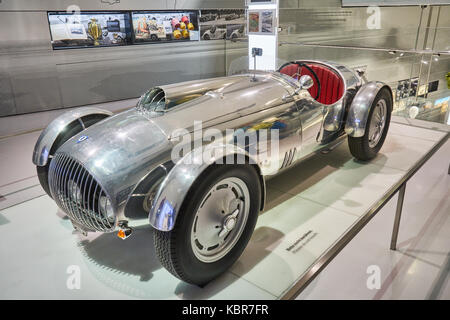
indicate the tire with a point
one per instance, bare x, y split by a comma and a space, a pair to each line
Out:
73, 129
177, 250
206, 37
363, 148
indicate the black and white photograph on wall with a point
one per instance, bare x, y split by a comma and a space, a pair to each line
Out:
214, 23
89, 29
235, 31
406, 88
213, 32
156, 26
409, 88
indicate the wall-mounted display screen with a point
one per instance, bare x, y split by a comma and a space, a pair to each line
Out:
89, 29
157, 26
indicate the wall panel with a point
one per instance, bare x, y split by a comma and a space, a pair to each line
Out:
33, 77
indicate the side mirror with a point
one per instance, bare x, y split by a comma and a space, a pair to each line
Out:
306, 82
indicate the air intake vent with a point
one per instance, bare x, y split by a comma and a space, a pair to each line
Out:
79, 195
288, 157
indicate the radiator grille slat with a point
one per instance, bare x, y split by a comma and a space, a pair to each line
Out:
78, 194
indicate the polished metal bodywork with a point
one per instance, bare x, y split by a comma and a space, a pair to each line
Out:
359, 112
129, 155
56, 127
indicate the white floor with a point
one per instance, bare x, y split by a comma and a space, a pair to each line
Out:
316, 201
420, 268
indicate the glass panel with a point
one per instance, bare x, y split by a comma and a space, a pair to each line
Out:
406, 47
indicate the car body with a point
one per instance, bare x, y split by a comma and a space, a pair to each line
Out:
238, 33
116, 172
232, 16
151, 29
208, 17
215, 33
71, 29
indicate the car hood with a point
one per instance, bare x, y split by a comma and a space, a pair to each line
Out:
219, 100
118, 151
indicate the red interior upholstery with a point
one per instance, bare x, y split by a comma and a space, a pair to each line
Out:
332, 86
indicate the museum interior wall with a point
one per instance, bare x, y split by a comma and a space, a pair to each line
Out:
33, 77
387, 41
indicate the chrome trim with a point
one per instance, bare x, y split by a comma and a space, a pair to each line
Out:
220, 219
306, 82
51, 132
377, 123
120, 153
359, 110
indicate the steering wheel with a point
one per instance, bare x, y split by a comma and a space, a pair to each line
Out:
300, 65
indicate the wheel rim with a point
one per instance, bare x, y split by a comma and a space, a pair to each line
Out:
220, 219
377, 123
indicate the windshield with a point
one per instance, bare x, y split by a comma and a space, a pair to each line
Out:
152, 100
241, 65
155, 100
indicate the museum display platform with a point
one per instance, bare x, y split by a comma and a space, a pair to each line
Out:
312, 211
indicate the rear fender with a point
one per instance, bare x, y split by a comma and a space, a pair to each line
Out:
358, 114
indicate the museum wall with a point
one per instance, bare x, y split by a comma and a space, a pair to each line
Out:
33, 77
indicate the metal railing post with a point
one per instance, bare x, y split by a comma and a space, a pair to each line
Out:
398, 214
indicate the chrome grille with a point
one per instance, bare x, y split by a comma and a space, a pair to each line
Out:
78, 194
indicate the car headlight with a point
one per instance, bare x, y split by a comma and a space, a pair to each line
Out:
74, 191
106, 208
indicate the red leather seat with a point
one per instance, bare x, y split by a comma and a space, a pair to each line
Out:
331, 84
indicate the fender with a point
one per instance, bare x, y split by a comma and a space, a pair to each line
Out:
359, 110
176, 185
47, 138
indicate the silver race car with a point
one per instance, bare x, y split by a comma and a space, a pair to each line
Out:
191, 159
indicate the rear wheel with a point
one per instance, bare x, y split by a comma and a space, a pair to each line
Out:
366, 147
213, 226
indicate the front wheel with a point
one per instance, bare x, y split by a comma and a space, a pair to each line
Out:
213, 226
366, 147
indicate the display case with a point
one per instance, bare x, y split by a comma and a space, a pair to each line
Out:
164, 26
89, 29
